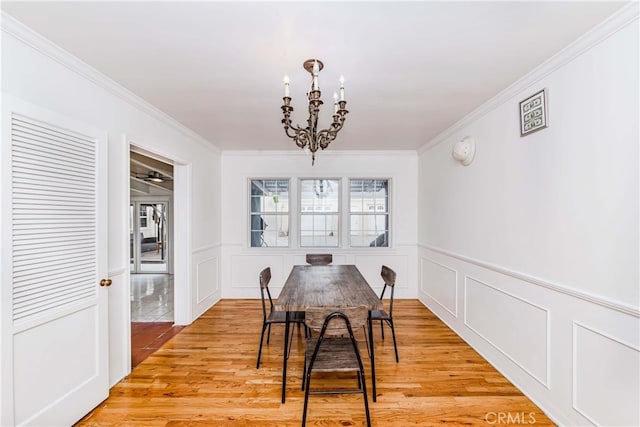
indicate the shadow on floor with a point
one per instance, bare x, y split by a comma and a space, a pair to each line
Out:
147, 337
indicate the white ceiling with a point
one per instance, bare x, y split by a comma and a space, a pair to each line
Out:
412, 69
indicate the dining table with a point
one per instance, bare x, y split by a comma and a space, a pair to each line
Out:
326, 286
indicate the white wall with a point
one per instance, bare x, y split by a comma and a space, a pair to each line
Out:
38, 72
241, 263
531, 253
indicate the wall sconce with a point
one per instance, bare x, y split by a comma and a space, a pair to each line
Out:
464, 150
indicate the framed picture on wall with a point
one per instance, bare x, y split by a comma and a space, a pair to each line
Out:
533, 113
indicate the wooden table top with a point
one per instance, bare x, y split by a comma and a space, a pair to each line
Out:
338, 286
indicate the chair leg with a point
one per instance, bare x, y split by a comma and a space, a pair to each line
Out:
372, 357
381, 330
366, 400
304, 372
366, 340
290, 341
393, 333
269, 333
306, 397
264, 326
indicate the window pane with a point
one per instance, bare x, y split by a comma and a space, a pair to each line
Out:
356, 204
322, 195
319, 230
319, 207
369, 207
269, 205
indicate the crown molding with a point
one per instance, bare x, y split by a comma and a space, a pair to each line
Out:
333, 153
616, 22
14, 28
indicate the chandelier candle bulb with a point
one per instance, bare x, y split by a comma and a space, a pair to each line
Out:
286, 86
341, 88
335, 103
314, 72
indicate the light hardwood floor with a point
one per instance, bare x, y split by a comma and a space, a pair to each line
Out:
206, 376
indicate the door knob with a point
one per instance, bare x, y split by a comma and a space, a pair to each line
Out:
105, 282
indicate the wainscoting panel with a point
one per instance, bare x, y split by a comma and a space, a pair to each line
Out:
245, 271
576, 356
205, 287
605, 378
440, 283
206, 278
517, 328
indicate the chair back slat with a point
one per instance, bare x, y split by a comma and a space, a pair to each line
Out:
315, 317
319, 259
265, 278
388, 275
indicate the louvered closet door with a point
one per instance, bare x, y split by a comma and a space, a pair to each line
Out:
58, 311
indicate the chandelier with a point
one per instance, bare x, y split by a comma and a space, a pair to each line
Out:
310, 137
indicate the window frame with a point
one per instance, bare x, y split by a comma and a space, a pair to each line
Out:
374, 212
250, 211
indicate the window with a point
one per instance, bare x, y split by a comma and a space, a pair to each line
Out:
369, 212
269, 212
319, 212
143, 216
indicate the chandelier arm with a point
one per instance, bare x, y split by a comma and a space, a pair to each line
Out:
325, 137
300, 137
295, 129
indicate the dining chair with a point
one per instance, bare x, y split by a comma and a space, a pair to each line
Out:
389, 277
334, 350
271, 316
319, 259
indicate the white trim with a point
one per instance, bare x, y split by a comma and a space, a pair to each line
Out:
206, 248
15, 28
623, 17
632, 311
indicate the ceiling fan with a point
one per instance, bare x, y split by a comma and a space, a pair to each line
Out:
153, 176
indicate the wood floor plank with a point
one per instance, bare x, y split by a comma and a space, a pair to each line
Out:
206, 376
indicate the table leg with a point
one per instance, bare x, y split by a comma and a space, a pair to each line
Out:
373, 361
284, 356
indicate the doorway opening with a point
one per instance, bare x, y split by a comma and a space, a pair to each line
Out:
150, 253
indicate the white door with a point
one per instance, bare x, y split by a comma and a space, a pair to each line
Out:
54, 366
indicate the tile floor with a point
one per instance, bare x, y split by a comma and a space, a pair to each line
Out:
152, 298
